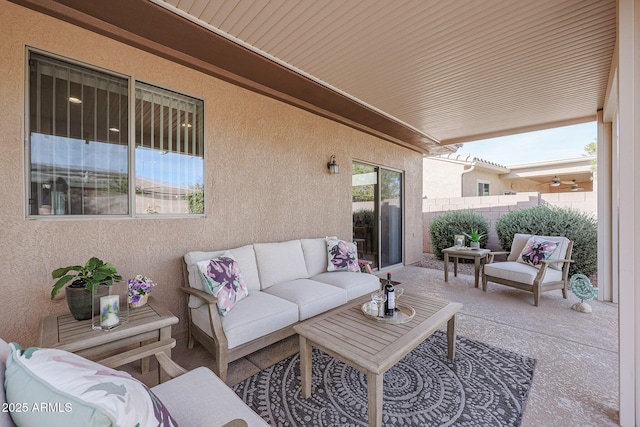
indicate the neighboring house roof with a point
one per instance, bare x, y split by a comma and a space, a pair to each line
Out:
471, 161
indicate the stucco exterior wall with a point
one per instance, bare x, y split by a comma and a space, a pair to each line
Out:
266, 179
447, 175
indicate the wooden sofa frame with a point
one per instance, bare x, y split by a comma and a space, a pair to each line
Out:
538, 287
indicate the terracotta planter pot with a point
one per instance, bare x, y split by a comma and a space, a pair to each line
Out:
79, 300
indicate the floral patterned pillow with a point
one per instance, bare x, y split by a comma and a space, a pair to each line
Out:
221, 278
54, 387
536, 250
342, 255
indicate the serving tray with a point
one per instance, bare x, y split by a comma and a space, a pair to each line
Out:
403, 314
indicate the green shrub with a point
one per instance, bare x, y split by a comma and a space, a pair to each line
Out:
554, 221
444, 228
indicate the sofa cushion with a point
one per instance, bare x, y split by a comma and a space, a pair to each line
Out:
341, 255
537, 250
520, 240
222, 278
310, 296
518, 272
257, 315
200, 398
280, 262
245, 257
82, 392
356, 284
315, 255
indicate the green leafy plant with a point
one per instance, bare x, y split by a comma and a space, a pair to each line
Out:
92, 274
474, 236
444, 228
577, 226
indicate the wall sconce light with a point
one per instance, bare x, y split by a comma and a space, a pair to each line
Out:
333, 166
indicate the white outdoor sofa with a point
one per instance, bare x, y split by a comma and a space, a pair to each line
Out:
288, 282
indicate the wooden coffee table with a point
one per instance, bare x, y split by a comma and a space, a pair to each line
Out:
477, 255
371, 346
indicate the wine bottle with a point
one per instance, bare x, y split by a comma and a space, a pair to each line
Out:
390, 303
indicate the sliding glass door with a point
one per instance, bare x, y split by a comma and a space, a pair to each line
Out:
377, 202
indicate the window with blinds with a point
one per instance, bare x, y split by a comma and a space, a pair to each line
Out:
84, 161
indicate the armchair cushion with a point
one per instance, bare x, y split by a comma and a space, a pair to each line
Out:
5, 418
536, 250
519, 272
77, 392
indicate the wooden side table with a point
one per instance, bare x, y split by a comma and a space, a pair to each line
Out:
477, 255
149, 323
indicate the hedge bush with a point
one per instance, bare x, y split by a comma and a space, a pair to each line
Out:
554, 221
444, 228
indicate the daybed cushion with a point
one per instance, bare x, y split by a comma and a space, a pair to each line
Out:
245, 257
259, 314
356, 284
520, 240
518, 272
280, 262
200, 399
84, 393
311, 297
315, 255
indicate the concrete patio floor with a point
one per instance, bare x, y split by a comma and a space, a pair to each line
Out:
576, 378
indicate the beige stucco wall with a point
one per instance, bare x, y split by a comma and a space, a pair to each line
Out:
446, 175
266, 179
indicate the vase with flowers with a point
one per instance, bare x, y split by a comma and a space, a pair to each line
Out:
139, 289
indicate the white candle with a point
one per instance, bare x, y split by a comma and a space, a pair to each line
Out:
109, 310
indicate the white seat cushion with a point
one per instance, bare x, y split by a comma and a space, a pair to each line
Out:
310, 296
280, 262
257, 315
356, 284
200, 398
315, 255
518, 272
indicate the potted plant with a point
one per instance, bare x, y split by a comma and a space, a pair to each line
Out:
86, 281
139, 289
474, 238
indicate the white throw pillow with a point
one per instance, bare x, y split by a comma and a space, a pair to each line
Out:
55, 387
342, 255
221, 278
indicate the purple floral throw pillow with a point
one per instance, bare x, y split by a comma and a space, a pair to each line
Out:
342, 255
536, 250
221, 278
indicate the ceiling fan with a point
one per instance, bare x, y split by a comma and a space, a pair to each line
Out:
555, 182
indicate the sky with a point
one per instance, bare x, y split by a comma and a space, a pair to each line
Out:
566, 142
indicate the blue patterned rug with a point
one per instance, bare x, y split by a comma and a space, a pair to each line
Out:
483, 386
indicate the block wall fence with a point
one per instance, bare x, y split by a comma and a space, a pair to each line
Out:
493, 207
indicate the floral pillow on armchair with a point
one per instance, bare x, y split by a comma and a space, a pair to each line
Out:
343, 256
221, 278
536, 250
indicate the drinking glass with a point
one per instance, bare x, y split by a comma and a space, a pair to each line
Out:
398, 292
379, 299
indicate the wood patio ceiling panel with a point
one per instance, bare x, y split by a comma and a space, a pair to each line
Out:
454, 70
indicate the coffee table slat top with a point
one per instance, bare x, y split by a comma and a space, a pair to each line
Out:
66, 333
376, 346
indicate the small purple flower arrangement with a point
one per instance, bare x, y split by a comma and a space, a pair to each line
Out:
139, 289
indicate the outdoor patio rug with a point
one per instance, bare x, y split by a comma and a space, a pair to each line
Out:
484, 386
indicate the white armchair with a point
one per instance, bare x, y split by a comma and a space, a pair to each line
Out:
549, 274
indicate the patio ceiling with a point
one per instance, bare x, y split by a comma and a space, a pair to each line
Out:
421, 73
